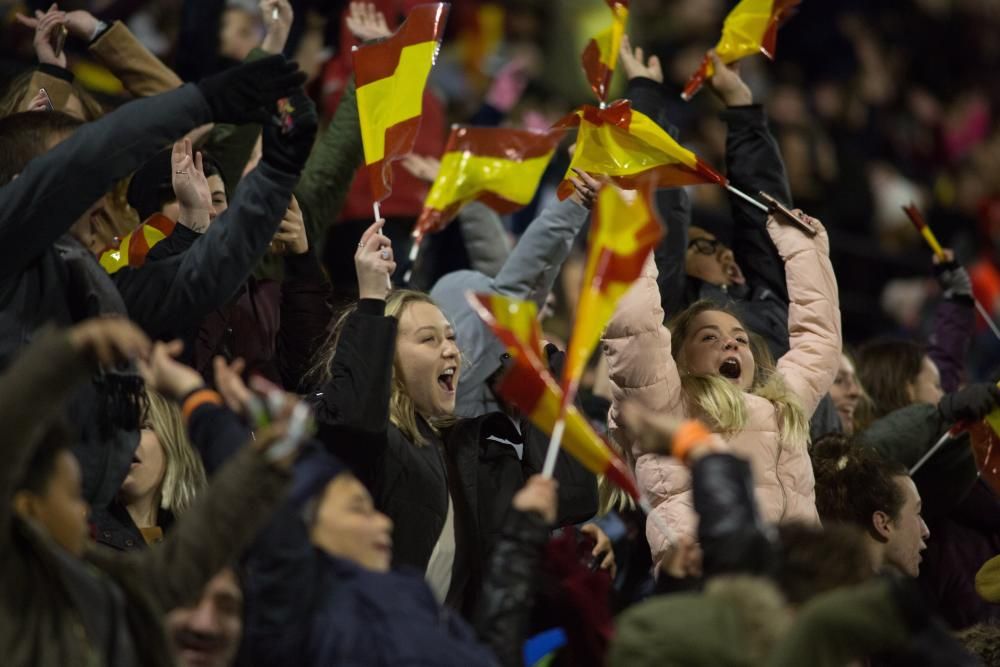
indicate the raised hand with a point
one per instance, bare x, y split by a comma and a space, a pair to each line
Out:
165, 375
603, 551
586, 187
46, 26
635, 64
80, 23
365, 22
190, 187
538, 495
291, 237
727, 84
424, 167
278, 16
109, 340
286, 147
229, 383
249, 92
40, 102
374, 263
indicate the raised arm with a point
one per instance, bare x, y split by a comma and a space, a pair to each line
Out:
642, 369
753, 164
954, 323
56, 188
810, 365
142, 73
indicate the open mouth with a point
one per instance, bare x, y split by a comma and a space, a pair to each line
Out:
731, 369
447, 380
735, 275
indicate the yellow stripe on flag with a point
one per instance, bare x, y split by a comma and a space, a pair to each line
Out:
394, 99
464, 175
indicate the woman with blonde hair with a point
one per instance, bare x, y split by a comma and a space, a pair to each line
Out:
165, 477
706, 365
387, 379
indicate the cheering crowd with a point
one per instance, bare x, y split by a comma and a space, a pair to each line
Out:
243, 425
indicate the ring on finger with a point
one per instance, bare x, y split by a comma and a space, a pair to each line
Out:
385, 254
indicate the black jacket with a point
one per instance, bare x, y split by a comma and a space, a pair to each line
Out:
40, 283
410, 482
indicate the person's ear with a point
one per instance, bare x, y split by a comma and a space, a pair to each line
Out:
24, 504
882, 525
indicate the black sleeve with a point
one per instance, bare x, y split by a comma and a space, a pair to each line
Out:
173, 295
352, 409
649, 98
56, 188
305, 316
508, 594
217, 433
754, 164
730, 530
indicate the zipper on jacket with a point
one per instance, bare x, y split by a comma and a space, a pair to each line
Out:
781, 484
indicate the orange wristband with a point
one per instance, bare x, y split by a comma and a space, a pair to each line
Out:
197, 399
689, 435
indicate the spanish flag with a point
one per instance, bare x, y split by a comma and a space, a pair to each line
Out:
390, 77
132, 249
499, 167
626, 146
528, 385
751, 27
623, 231
601, 53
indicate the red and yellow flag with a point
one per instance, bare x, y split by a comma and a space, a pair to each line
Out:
132, 249
390, 77
600, 56
624, 230
627, 147
529, 386
499, 167
751, 27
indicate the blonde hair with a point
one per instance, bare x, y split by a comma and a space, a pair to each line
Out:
402, 412
184, 476
718, 402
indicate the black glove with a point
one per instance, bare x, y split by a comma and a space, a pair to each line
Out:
288, 140
954, 280
971, 403
248, 92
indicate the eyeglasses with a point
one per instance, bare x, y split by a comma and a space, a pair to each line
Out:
705, 246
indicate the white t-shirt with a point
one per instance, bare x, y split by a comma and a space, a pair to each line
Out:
439, 567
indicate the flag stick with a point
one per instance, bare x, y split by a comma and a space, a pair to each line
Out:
378, 216
748, 198
918, 221
938, 445
412, 258
553, 452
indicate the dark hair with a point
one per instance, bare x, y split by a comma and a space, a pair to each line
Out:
815, 560
42, 463
151, 186
885, 368
26, 135
853, 482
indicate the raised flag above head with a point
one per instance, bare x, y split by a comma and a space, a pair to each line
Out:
751, 27
623, 232
498, 166
528, 385
627, 147
600, 56
390, 76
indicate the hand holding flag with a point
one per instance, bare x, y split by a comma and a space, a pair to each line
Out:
751, 27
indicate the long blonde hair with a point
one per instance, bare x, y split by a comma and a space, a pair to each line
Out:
184, 476
402, 412
720, 403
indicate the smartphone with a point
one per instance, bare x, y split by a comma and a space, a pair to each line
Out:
48, 101
58, 39
775, 206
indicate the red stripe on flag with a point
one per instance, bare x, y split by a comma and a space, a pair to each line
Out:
513, 145
399, 140
780, 12
522, 385
598, 74
619, 475
376, 61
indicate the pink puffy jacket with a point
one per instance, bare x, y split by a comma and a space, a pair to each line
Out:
637, 346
